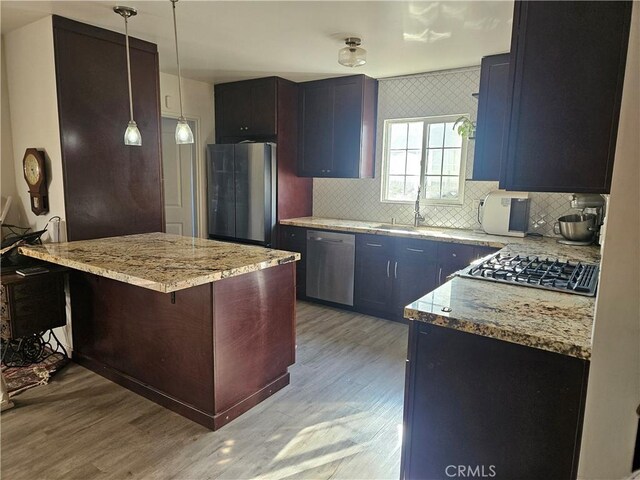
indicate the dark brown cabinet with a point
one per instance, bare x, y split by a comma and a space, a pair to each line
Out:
565, 88
246, 108
337, 119
392, 272
507, 411
492, 109
453, 257
266, 110
294, 239
373, 289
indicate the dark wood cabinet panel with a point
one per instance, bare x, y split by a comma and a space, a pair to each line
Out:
480, 402
110, 188
492, 110
294, 239
337, 127
568, 61
373, 291
246, 108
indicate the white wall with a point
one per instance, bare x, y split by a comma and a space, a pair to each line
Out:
34, 112
33, 108
198, 105
7, 169
614, 381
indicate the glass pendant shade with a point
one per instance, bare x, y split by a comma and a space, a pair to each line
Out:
352, 55
184, 135
132, 135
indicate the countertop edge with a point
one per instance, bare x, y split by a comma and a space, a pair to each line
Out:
153, 285
425, 235
499, 333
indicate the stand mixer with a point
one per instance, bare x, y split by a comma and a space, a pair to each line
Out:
588, 203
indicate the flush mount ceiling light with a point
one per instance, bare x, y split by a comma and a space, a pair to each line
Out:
352, 55
131, 134
184, 135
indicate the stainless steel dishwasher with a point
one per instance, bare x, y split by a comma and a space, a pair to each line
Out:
330, 266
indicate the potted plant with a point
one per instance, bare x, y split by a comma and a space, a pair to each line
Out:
465, 127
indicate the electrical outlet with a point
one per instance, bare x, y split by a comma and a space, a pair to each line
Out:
476, 204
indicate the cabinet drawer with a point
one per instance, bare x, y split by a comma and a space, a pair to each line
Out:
456, 253
416, 248
293, 238
375, 244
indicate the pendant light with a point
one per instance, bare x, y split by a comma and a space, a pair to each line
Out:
132, 134
352, 55
184, 135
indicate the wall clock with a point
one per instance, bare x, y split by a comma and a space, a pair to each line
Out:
33, 166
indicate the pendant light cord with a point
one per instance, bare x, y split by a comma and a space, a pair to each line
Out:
126, 39
175, 32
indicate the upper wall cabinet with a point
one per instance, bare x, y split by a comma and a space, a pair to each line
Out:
337, 127
492, 109
568, 60
246, 109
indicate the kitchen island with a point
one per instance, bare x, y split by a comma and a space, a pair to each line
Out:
204, 328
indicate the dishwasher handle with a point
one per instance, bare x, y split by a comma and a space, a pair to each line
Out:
327, 240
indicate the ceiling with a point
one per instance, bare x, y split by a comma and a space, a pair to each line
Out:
299, 40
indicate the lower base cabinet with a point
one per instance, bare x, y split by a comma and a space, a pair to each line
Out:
477, 407
294, 239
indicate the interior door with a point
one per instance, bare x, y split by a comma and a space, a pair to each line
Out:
178, 165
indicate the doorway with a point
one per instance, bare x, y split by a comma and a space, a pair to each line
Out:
179, 168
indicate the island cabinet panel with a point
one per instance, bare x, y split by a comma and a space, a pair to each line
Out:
110, 188
510, 411
209, 352
565, 90
139, 334
252, 353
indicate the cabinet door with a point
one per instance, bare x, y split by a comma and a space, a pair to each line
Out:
315, 152
374, 275
514, 411
492, 109
294, 239
233, 105
347, 126
414, 272
566, 89
263, 107
453, 257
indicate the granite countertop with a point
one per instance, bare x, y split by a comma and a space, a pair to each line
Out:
553, 321
440, 234
160, 261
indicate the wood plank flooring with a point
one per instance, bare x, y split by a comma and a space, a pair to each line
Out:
339, 418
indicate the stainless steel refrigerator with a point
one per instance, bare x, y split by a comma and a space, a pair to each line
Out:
241, 192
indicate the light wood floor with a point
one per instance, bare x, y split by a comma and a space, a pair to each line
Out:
339, 418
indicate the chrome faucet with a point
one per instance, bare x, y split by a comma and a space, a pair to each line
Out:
417, 217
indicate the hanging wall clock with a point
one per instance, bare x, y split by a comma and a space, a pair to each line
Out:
33, 166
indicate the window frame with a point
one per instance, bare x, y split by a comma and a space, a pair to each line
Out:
423, 160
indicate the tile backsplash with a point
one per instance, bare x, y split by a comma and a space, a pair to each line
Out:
429, 94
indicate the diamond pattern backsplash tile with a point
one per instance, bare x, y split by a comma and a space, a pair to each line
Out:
429, 94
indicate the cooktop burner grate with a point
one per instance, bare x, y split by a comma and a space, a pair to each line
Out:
579, 278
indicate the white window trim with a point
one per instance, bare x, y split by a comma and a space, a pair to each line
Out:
385, 161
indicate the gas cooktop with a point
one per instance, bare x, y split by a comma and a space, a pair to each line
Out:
531, 271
